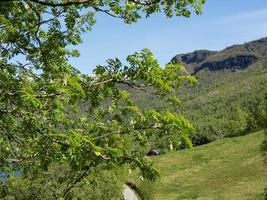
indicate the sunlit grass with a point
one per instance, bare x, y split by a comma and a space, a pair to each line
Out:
227, 169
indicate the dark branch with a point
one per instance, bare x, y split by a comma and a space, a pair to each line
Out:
138, 87
77, 180
67, 3
145, 3
127, 131
108, 12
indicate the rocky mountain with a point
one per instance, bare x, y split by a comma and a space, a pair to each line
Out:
236, 57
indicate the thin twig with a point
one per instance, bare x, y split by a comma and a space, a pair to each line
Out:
78, 179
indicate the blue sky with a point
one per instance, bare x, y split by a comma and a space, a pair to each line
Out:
223, 23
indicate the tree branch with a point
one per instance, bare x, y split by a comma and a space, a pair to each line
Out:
102, 82
67, 3
138, 87
77, 180
79, 2
144, 3
108, 12
126, 131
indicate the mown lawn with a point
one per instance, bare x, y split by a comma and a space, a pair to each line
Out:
227, 169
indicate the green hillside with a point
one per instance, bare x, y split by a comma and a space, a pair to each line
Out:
227, 169
230, 89
225, 101
220, 107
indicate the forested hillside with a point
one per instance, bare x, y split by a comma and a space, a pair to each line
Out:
229, 94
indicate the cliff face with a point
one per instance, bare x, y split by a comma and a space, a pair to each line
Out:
236, 57
233, 63
194, 57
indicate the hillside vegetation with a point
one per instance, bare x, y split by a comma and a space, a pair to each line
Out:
229, 92
232, 85
227, 169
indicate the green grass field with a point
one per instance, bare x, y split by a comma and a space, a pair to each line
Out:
227, 169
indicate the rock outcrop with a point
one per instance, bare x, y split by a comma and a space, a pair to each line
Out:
233, 63
194, 57
236, 57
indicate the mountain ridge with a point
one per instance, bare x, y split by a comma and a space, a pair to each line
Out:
235, 57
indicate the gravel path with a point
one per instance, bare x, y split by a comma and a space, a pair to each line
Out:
128, 193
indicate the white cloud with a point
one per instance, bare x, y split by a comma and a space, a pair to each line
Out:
253, 15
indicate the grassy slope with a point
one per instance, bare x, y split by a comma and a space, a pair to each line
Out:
230, 169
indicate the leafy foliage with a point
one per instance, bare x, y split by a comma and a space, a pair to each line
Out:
100, 184
45, 116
